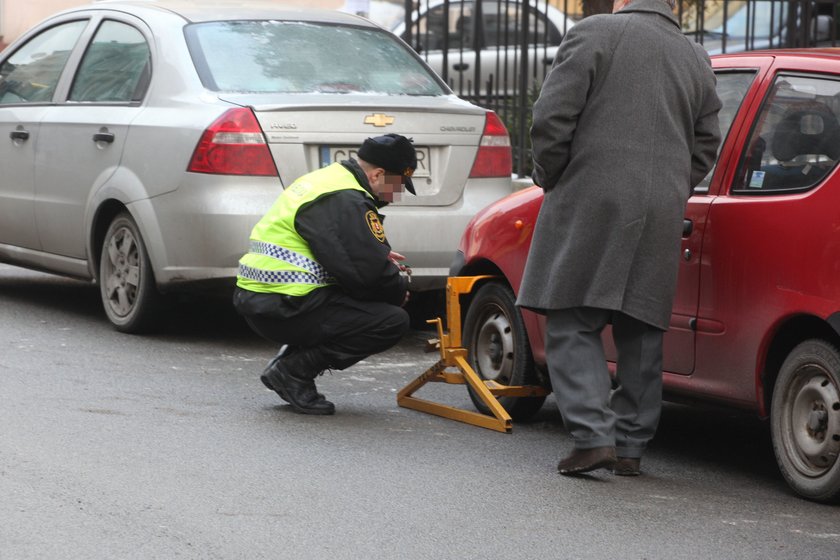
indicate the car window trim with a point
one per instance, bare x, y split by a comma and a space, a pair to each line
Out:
69, 63
731, 146
202, 68
718, 71
62, 89
101, 20
744, 191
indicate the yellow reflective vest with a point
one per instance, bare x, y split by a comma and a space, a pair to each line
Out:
279, 260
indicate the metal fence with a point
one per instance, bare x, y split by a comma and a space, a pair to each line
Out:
496, 53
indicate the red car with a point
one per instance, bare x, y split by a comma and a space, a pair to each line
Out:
756, 319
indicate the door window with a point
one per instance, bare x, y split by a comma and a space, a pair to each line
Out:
31, 74
502, 25
732, 87
435, 31
115, 68
795, 141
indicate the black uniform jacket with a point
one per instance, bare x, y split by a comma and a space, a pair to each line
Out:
344, 231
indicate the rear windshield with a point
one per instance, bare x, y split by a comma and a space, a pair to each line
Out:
294, 57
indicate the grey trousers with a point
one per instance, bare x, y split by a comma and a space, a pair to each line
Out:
594, 415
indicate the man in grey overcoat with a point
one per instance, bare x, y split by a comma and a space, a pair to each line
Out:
624, 127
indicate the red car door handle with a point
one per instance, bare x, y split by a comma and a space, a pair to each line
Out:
688, 227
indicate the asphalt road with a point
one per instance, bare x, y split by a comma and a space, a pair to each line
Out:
168, 446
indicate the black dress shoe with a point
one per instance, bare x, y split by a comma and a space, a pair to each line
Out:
585, 460
627, 466
296, 390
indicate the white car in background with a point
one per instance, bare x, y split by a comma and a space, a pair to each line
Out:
476, 46
140, 141
764, 25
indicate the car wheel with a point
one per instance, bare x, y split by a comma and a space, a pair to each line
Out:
805, 420
498, 349
126, 281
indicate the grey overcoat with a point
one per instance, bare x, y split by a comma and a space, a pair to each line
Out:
624, 127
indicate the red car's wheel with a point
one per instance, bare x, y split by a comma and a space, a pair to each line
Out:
495, 336
805, 420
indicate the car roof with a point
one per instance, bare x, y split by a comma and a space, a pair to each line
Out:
215, 10
832, 53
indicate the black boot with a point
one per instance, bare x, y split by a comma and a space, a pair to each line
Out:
293, 378
286, 351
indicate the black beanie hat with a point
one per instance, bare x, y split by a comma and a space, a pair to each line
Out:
393, 153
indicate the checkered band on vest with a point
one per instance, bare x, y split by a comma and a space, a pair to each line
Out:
289, 256
279, 277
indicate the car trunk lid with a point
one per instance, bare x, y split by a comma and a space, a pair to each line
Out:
306, 135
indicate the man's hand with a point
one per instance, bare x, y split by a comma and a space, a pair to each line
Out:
396, 258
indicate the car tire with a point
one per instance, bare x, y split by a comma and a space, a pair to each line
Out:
497, 343
126, 282
805, 420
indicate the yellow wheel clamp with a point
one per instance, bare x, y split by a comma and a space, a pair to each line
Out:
453, 368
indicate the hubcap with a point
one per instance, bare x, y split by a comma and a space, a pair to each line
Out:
493, 350
814, 433
122, 272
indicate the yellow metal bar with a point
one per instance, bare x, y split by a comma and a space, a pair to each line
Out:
450, 377
452, 355
500, 390
484, 393
424, 378
455, 287
452, 413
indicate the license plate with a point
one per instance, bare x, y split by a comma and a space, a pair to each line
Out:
333, 154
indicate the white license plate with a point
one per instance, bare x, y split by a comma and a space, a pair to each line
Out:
332, 154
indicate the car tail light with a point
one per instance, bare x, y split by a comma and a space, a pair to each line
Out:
233, 145
494, 157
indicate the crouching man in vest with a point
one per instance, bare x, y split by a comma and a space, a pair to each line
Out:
320, 277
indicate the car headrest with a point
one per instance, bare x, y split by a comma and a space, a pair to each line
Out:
812, 130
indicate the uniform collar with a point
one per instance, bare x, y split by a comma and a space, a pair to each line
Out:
353, 167
654, 6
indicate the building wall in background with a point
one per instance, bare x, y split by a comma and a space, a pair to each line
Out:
16, 16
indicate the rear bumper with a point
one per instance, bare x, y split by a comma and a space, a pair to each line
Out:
198, 233
429, 236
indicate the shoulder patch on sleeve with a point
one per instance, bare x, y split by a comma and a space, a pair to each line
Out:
375, 225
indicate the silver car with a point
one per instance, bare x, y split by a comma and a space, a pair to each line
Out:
141, 141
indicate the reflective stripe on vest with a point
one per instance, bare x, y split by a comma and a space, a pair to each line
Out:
318, 272
278, 277
279, 260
